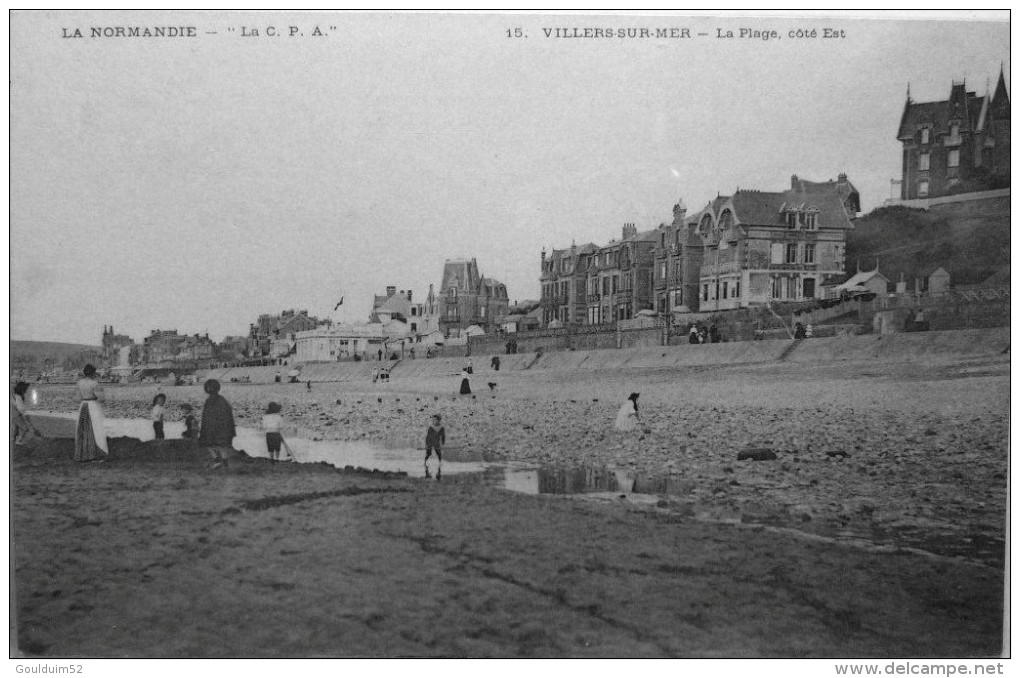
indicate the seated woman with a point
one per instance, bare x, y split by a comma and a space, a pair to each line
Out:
22, 427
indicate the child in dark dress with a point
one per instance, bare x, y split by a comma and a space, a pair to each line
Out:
435, 438
190, 423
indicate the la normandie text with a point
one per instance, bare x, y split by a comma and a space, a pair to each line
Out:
132, 32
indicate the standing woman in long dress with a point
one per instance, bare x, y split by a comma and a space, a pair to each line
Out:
90, 436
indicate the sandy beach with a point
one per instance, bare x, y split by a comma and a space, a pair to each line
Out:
878, 529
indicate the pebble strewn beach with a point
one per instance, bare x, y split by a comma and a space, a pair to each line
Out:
911, 453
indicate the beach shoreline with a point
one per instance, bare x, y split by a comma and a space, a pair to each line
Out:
892, 548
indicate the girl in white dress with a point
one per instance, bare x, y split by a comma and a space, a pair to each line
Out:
627, 418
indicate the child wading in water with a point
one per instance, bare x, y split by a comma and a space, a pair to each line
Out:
158, 410
435, 438
271, 423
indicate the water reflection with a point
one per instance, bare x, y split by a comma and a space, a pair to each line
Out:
309, 449
588, 479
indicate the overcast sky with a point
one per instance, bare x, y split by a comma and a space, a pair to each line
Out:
196, 183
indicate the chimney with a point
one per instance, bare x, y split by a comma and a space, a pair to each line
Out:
679, 210
391, 290
629, 230
409, 295
794, 183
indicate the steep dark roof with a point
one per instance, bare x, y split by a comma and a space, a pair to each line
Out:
719, 201
1000, 100
937, 114
757, 208
843, 188
586, 248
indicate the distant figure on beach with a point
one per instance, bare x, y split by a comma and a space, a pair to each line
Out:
278, 378
375, 375
272, 422
158, 411
21, 426
412, 353
465, 383
713, 334
380, 355
218, 431
798, 331
627, 418
190, 423
384, 374
470, 369
308, 385
693, 337
90, 435
435, 438
495, 363
809, 331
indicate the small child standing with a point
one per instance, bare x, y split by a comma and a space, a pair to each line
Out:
271, 423
435, 438
158, 410
190, 423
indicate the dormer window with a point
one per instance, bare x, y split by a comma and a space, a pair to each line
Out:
791, 219
954, 135
811, 220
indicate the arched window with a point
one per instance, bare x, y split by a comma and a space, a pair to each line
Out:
725, 220
705, 226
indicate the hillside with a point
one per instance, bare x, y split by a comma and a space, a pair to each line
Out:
970, 241
46, 355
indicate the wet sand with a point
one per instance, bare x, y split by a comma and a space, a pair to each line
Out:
877, 530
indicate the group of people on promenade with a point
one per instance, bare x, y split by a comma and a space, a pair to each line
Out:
699, 334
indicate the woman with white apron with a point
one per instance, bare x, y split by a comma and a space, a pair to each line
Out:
90, 436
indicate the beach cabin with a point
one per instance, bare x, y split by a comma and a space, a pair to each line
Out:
862, 282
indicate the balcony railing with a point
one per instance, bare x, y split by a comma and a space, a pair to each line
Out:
793, 267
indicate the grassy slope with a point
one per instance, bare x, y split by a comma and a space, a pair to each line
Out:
33, 355
970, 245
